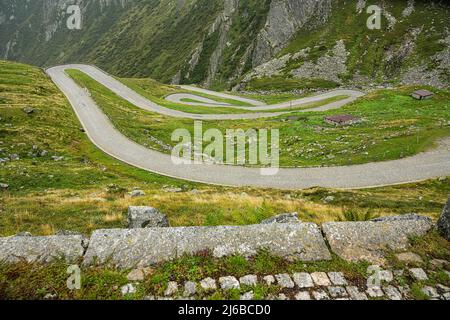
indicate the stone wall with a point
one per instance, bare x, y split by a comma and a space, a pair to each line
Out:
142, 247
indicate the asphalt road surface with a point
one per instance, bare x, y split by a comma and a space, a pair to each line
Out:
104, 135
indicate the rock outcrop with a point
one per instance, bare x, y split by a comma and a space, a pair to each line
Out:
357, 241
403, 217
144, 247
409, 9
421, 74
360, 6
444, 221
328, 67
146, 217
275, 66
223, 23
284, 19
41, 249
283, 235
283, 218
396, 55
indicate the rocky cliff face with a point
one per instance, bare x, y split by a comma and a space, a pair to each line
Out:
280, 24
412, 46
223, 43
328, 67
36, 31
225, 50
284, 20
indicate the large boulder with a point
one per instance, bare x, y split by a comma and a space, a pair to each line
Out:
356, 241
283, 218
137, 193
41, 249
403, 217
444, 221
132, 248
146, 217
28, 110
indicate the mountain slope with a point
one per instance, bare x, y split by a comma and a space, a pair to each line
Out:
413, 48
86, 189
226, 43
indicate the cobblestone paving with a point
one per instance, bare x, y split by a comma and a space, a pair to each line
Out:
309, 286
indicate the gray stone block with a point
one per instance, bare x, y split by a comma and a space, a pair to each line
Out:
146, 217
303, 280
269, 280
320, 279
375, 292
337, 278
190, 288
355, 294
172, 288
303, 295
418, 274
320, 295
229, 283
208, 284
430, 292
444, 221
403, 217
247, 296
249, 280
355, 241
283, 218
144, 247
392, 293
337, 292
284, 281
41, 249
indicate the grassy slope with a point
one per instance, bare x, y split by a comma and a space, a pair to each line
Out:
170, 32
395, 126
286, 84
155, 91
45, 196
367, 48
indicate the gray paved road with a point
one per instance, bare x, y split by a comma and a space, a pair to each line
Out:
128, 94
222, 95
352, 95
102, 133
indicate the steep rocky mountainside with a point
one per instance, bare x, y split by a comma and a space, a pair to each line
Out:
412, 47
236, 43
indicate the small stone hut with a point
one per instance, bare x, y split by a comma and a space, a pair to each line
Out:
422, 94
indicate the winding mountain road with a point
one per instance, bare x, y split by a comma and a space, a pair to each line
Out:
349, 96
105, 136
